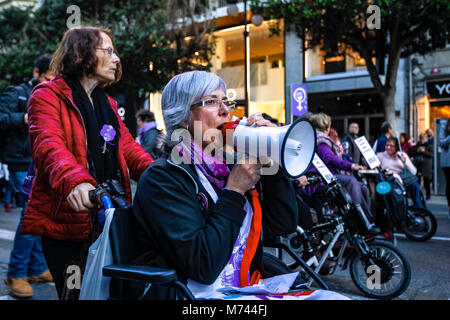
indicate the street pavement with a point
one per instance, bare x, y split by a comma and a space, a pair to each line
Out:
429, 261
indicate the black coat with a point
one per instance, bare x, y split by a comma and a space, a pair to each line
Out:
149, 142
15, 145
423, 160
177, 232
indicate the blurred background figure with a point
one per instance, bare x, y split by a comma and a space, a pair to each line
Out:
444, 143
405, 142
149, 136
429, 133
386, 132
422, 157
348, 142
27, 263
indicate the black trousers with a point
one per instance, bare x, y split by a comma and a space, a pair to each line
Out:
66, 261
447, 183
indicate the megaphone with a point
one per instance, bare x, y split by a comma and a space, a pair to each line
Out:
292, 146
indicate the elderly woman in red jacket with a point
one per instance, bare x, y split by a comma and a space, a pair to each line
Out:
78, 141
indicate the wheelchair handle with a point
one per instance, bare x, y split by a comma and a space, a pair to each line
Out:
100, 196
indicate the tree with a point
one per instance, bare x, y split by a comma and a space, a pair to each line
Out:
153, 42
404, 27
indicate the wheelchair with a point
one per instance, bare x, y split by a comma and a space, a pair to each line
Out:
124, 247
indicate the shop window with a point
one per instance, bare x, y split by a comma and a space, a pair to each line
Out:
343, 59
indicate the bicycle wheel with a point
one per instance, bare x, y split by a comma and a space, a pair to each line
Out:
390, 276
421, 226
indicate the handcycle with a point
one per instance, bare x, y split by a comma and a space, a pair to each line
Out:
124, 245
378, 268
394, 209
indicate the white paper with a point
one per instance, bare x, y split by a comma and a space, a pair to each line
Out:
272, 285
322, 168
367, 152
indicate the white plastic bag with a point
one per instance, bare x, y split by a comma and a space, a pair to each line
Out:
95, 286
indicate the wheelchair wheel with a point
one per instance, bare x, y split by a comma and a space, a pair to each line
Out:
420, 225
390, 276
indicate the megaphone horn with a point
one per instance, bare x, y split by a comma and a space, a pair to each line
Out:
291, 146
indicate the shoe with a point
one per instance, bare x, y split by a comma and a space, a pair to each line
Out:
19, 287
7, 207
43, 277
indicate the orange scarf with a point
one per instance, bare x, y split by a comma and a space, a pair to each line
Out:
252, 243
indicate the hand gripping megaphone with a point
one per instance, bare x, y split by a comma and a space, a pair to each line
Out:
292, 146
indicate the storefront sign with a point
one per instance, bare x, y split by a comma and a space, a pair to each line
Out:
438, 89
299, 100
334, 64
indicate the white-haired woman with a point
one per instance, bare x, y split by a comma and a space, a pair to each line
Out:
201, 217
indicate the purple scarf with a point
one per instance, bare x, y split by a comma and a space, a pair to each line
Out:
146, 127
214, 168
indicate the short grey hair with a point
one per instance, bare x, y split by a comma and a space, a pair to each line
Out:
181, 92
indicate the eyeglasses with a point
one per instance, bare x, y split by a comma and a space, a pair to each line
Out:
109, 51
214, 102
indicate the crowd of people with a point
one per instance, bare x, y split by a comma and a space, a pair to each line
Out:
73, 139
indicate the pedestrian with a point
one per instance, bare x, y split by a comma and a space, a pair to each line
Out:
429, 133
444, 144
405, 143
386, 132
150, 137
27, 263
422, 157
78, 141
348, 142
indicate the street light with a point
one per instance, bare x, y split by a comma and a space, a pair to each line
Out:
246, 59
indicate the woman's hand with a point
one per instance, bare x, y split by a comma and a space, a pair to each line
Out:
402, 156
78, 198
356, 167
302, 181
244, 176
259, 120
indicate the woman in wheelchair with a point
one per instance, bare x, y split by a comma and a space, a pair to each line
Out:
198, 215
329, 152
402, 167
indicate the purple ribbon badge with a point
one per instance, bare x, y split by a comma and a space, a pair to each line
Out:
108, 133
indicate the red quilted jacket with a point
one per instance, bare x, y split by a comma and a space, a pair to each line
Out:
59, 146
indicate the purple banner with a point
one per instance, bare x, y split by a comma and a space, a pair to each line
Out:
299, 100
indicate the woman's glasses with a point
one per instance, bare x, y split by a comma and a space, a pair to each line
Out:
109, 51
214, 102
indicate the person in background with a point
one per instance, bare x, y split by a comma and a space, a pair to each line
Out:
329, 152
78, 141
399, 162
429, 133
422, 157
335, 137
405, 143
27, 263
386, 132
149, 135
444, 143
348, 142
